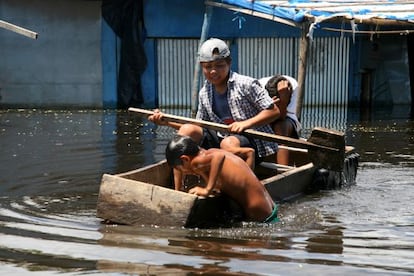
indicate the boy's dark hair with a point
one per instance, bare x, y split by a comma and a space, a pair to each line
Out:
271, 85
180, 145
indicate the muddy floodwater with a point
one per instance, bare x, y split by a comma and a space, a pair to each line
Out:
52, 161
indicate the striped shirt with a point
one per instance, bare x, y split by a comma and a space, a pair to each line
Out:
246, 98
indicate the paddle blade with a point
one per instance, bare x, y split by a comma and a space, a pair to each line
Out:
327, 159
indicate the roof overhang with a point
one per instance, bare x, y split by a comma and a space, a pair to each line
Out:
378, 16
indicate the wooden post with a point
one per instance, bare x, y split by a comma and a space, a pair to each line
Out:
303, 56
197, 71
17, 29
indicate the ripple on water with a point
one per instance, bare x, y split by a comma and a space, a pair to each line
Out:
50, 169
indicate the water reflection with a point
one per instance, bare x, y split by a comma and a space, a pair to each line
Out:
385, 140
131, 139
217, 250
327, 117
50, 171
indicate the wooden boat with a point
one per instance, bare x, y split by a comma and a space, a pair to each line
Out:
146, 195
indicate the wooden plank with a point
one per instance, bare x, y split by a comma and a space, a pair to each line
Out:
131, 202
159, 174
290, 184
17, 29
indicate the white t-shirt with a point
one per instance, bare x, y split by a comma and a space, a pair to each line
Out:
291, 108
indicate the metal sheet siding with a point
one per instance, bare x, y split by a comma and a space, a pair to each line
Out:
326, 78
176, 59
327, 72
261, 57
332, 117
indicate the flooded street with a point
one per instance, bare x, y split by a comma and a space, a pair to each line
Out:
50, 171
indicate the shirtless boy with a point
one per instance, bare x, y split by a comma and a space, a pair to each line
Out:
222, 171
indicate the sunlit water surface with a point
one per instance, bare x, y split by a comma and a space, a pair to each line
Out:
50, 170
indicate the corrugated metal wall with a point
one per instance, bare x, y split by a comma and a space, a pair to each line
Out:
262, 57
176, 59
326, 78
326, 85
332, 117
327, 72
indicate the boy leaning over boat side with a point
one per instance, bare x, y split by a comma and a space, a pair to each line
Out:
224, 172
228, 98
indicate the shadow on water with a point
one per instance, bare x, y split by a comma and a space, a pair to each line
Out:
50, 171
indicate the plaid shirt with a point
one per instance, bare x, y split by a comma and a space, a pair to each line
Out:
246, 98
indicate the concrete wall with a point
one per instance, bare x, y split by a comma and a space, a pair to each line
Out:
62, 68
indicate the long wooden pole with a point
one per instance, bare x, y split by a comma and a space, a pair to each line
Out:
303, 58
326, 148
17, 29
224, 128
197, 72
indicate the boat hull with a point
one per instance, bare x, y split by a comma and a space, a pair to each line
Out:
146, 195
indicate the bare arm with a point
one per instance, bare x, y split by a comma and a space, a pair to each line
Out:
264, 117
216, 166
216, 161
157, 118
178, 180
